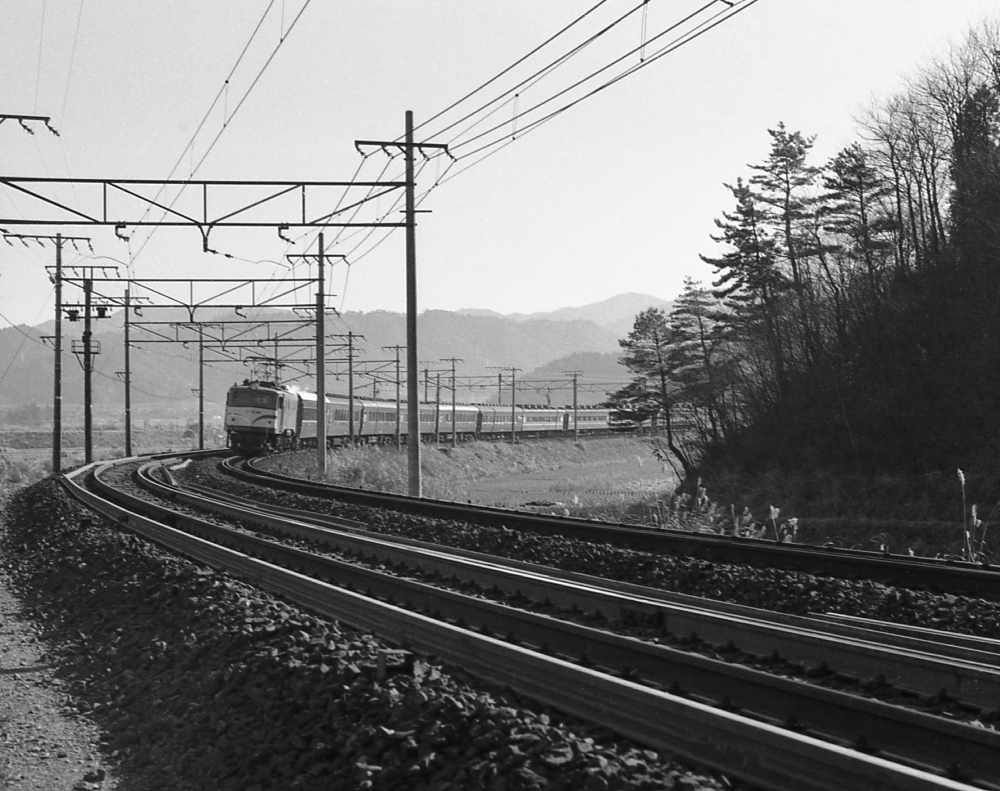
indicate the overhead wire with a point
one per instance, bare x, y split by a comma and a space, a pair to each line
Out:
505, 140
62, 110
344, 235
727, 12
540, 73
492, 147
24, 339
41, 48
514, 65
72, 60
239, 105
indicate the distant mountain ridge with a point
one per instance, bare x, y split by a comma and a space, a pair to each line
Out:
542, 345
616, 313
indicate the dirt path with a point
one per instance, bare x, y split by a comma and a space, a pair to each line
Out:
43, 744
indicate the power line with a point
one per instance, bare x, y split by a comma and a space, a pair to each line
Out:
69, 73
539, 74
26, 337
488, 148
223, 91
496, 77
41, 47
685, 38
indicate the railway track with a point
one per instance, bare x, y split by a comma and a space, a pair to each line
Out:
919, 573
773, 731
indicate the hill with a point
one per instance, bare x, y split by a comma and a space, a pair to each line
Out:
614, 314
599, 372
540, 346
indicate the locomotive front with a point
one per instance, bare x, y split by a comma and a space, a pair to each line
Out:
254, 420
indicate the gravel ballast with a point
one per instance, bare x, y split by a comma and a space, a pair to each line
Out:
196, 680
780, 590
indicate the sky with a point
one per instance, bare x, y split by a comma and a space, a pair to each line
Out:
618, 193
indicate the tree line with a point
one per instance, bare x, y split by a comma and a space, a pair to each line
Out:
853, 318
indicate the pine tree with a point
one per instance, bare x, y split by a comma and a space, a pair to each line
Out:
699, 365
752, 284
782, 183
647, 354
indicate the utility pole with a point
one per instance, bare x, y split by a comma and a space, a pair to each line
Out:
427, 379
128, 378
88, 401
513, 396
55, 275
201, 388
454, 425
409, 148
350, 381
57, 386
576, 422
320, 257
201, 384
321, 464
399, 438
88, 347
437, 411
513, 405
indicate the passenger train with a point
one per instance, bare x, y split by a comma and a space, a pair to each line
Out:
262, 416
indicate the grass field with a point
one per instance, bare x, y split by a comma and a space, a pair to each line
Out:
26, 454
612, 478
603, 477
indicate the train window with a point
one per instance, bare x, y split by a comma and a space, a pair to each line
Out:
261, 399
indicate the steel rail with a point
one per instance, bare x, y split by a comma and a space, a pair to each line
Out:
920, 664
985, 644
909, 735
981, 580
756, 752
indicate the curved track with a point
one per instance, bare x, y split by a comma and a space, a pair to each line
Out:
689, 718
913, 572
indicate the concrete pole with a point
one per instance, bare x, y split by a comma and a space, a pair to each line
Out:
57, 367
415, 484
321, 364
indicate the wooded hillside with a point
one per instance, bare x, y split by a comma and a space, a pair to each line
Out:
847, 354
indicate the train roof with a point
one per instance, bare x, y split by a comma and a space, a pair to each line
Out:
307, 395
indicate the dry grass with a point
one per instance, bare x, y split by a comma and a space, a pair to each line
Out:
601, 475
